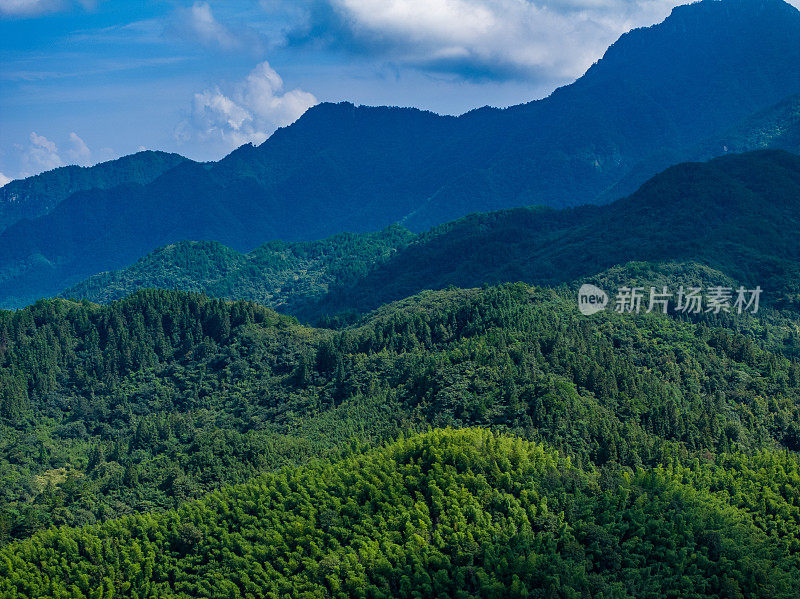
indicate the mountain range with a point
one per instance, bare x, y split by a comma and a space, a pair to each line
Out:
35, 196
355, 366
660, 95
749, 204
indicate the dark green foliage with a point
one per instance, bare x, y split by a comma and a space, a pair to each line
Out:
278, 274
445, 514
35, 196
749, 204
737, 214
105, 411
163, 396
172, 444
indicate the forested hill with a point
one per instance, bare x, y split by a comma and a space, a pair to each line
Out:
279, 274
778, 127
455, 514
662, 89
748, 205
737, 214
35, 196
165, 396
390, 413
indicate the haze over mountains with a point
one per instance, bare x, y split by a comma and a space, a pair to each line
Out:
778, 127
749, 204
659, 96
36, 196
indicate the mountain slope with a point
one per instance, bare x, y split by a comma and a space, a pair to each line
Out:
749, 204
738, 214
447, 514
778, 127
656, 92
35, 196
165, 396
278, 274
661, 89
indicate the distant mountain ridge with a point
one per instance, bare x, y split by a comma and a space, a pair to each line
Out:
774, 128
778, 127
749, 204
278, 274
35, 196
655, 96
738, 214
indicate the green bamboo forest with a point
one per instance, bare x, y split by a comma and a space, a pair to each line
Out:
483, 442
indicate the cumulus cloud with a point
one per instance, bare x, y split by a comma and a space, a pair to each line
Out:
248, 113
32, 8
492, 38
4, 179
78, 152
42, 154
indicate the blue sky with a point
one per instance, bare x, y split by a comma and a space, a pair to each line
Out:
86, 81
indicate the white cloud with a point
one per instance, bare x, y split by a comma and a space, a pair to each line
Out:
559, 38
248, 113
42, 154
197, 24
79, 152
200, 21
4, 179
32, 8
28, 7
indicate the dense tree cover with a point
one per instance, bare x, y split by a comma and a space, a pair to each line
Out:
163, 396
749, 205
445, 514
777, 127
37, 195
108, 410
174, 444
657, 91
278, 274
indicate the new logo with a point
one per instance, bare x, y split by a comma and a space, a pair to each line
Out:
591, 299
